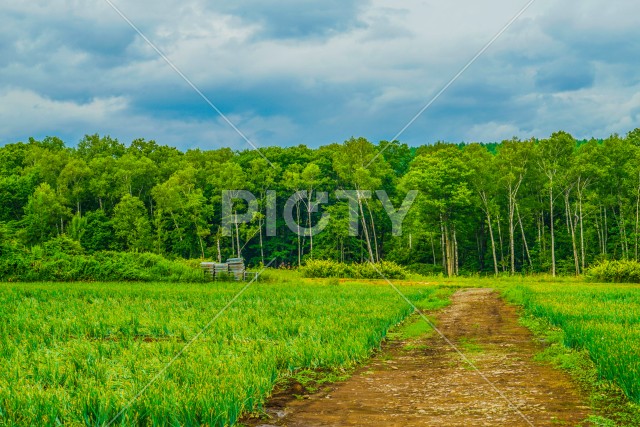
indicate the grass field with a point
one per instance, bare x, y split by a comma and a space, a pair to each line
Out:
603, 319
75, 354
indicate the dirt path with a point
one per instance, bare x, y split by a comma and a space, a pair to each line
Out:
426, 383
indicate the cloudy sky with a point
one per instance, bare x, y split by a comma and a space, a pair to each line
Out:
316, 72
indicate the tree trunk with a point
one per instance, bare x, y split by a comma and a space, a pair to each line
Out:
201, 245
543, 237
433, 249
605, 234
365, 229
623, 232
572, 232
493, 245
598, 230
218, 246
512, 245
238, 236
479, 247
373, 230
233, 243
443, 245
582, 250
309, 225
553, 242
298, 234
540, 224
261, 243
485, 202
456, 262
501, 246
175, 223
449, 251
524, 238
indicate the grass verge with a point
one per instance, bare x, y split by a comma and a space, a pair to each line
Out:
609, 404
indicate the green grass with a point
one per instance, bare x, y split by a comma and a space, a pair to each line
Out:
75, 354
610, 405
417, 327
602, 319
592, 331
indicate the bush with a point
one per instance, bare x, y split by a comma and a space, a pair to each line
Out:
615, 271
60, 260
324, 268
63, 245
328, 268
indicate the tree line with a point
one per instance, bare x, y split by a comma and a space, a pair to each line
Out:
553, 205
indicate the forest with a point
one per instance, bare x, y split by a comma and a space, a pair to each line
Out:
556, 205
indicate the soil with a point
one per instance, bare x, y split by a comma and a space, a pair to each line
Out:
425, 382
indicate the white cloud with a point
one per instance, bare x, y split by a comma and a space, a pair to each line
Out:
70, 67
25, 113
492, 132
23, 109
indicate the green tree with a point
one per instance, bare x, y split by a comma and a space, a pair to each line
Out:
441, 176
73, 181
98, 232
186, 206
554, 157
131, 224
229, 176
136, 174
360, 167
263, 178
44, 214
92, 146
103, 182
513, 161
484, 182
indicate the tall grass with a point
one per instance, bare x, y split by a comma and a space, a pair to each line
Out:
75, 354
603, 319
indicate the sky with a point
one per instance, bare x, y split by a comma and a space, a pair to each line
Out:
316, 72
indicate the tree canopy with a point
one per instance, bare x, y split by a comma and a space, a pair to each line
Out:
551, 205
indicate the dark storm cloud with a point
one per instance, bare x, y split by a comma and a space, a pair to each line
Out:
565, 75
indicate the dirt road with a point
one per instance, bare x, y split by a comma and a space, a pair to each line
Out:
427, 383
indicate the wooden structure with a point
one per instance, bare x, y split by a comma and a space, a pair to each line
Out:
233, 267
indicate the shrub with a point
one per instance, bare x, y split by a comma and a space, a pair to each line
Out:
63, 245
60, 260
328, 268
324, 268
615, 271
